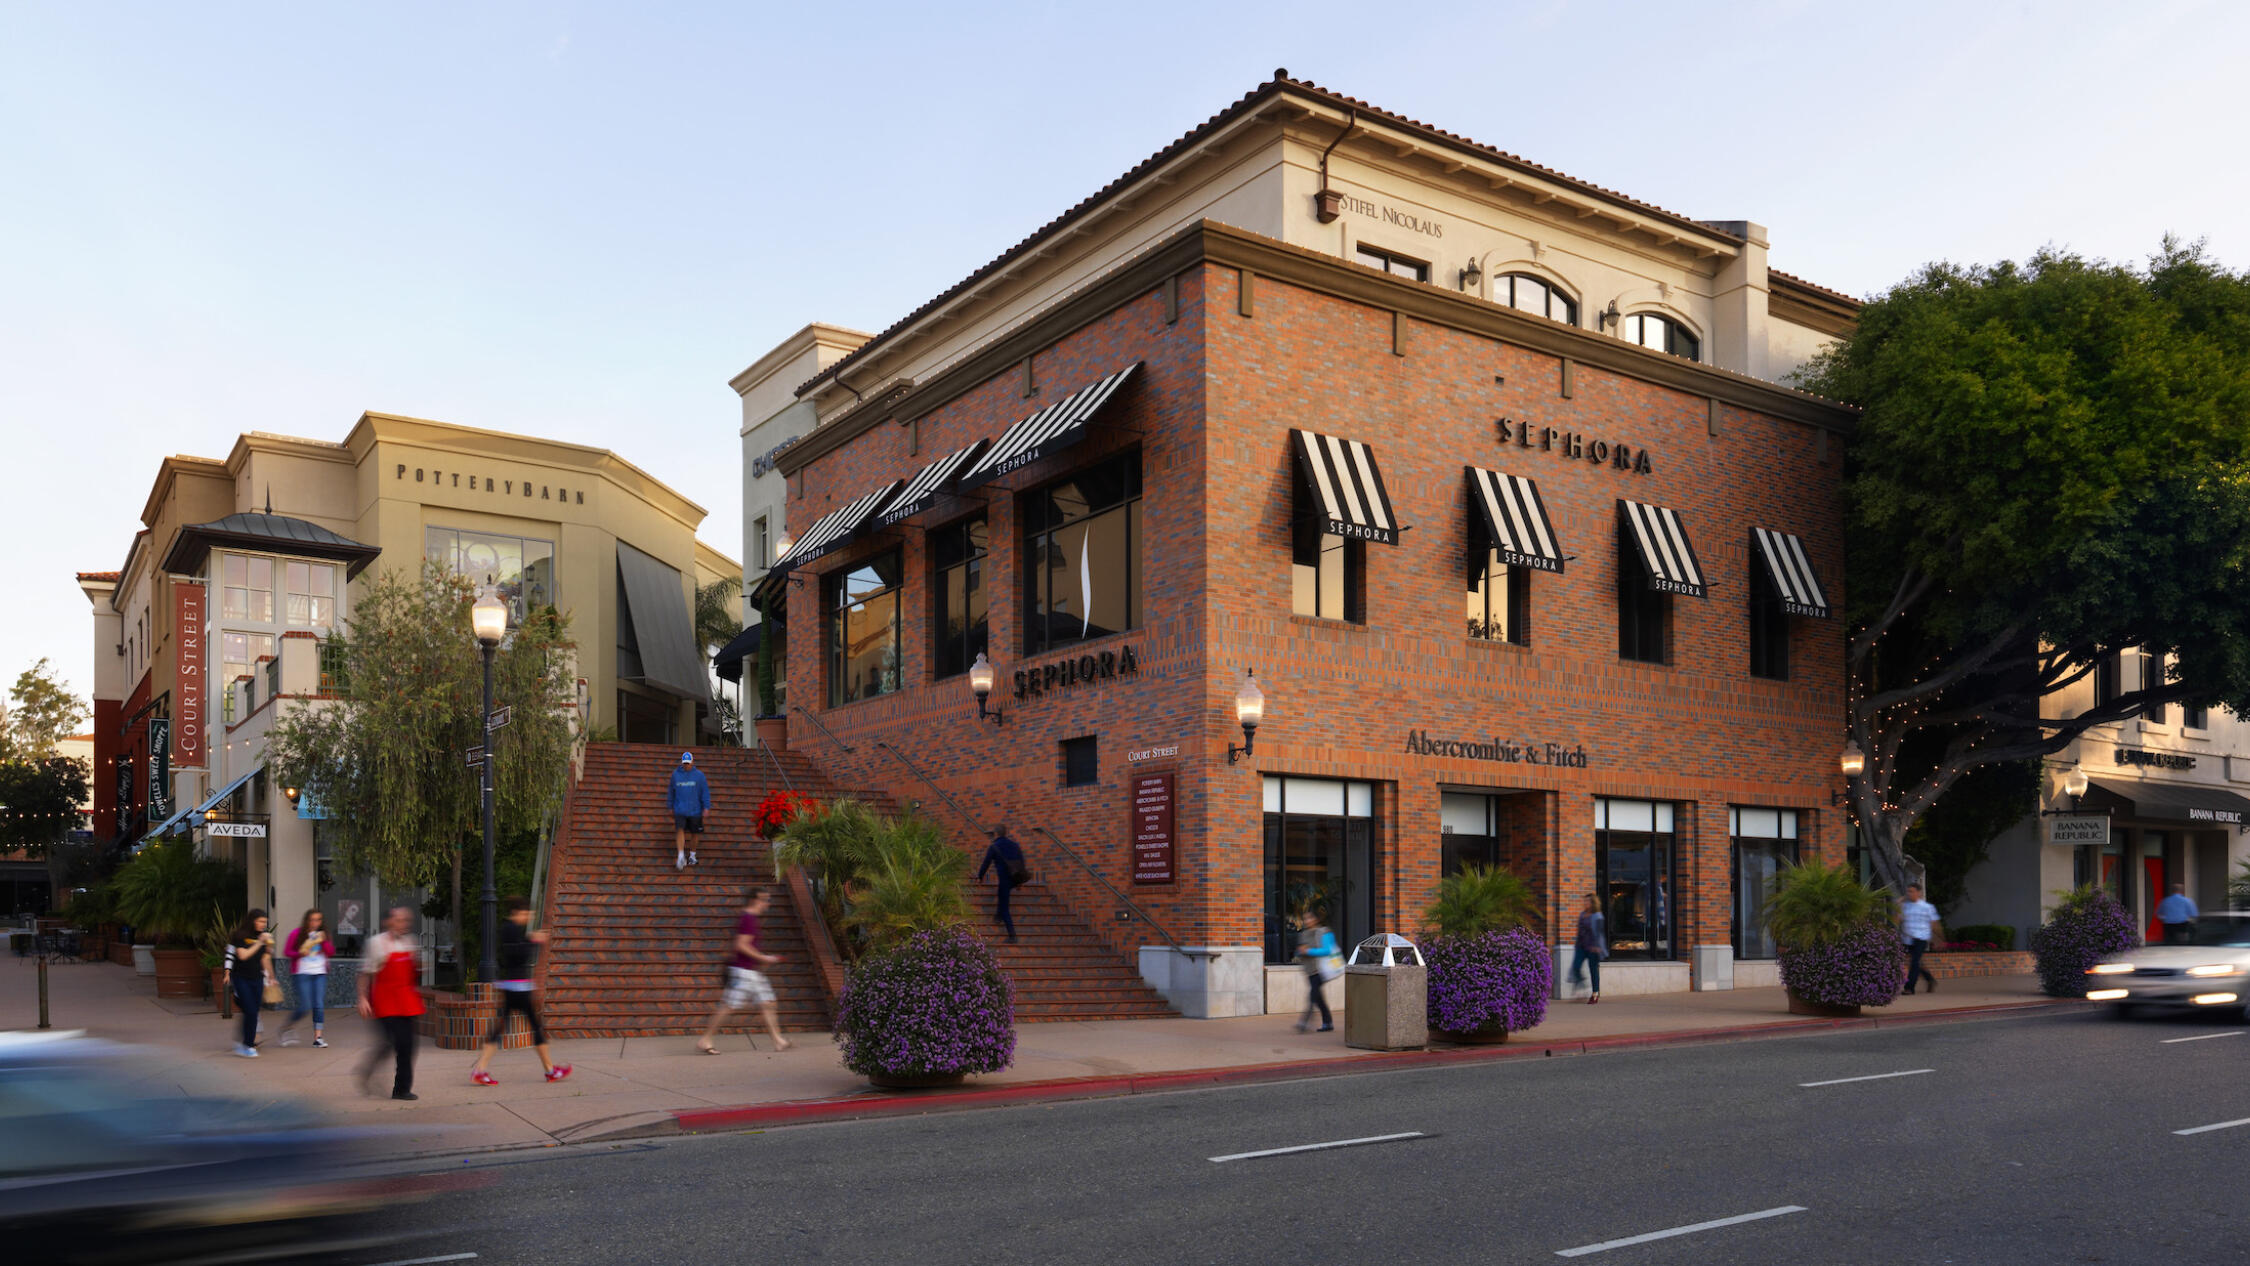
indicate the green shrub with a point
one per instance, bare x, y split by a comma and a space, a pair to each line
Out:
913, 884
1814, 906
1999, 934
1479, 899
168, 893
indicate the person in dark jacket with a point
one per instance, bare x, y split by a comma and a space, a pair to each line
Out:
1590, 946
690, 799
517, 951
1007, 855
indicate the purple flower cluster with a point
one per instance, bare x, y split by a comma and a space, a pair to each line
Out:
1500, 978
2086, 928
936, 1003
1862, 968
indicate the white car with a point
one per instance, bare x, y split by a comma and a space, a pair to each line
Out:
2211, 972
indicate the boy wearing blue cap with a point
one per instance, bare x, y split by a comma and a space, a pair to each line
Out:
691, 798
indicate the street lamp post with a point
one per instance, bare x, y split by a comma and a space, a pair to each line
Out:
489, 617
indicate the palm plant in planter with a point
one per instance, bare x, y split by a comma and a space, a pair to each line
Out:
1489, 974
168, 894
1837, 947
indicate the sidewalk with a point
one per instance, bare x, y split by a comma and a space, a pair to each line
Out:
643, 1084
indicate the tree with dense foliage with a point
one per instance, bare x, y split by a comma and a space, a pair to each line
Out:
387, 761
40, 791
2052, 463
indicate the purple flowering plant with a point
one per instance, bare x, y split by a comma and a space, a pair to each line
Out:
1860, 967
1481, 978
2088, 926
933, 1003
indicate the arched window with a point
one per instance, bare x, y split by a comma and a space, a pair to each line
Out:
1529, 293
1662, 333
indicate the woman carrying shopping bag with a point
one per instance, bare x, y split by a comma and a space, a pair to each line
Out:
1324, 961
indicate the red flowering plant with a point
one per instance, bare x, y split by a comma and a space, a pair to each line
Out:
778, 809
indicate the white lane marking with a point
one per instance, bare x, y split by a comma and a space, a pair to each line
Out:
1607, 1245
2223, 1125
2200, 1037
1318, 1147
426, 1261
1911, 1072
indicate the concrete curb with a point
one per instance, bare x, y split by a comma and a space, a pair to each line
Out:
877, 1104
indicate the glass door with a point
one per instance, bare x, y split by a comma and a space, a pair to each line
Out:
1319, 857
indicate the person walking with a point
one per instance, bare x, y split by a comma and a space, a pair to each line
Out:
306, 951
249, 964
1917, 922
1589, 947
518, 949
1323, 961
1006, 854
690, 799
390, 994
2178, 914
746, 985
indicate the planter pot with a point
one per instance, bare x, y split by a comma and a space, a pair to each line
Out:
773, 732
144, 959
923, 1081
1490, 1033
179, 973
1806, 1006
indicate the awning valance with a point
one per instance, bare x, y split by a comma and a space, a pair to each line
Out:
728, 662
663, 631
923, 489
2167, 802
1791, 571
835, 529
1656, 535
1343, 488
1045, 433
194, 817
1515, 520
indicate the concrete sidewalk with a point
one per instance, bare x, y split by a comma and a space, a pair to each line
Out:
623, 1085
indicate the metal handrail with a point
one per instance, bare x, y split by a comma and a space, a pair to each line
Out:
777, 766
814, 717
1169, 940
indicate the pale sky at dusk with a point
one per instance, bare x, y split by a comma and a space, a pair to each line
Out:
579, 220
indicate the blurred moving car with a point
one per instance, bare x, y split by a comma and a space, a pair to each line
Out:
109, 1154
2210, 972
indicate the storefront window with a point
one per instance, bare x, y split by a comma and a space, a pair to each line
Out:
1320, 854
1082, 548
1765, 840
1327, 574
1644, 616
239, 656
523, 569
1664, 334
1530, 294
1499, 599
1634, 855
1769, 629
2153, 676
247, 588
312, 594
959, 554
863, 630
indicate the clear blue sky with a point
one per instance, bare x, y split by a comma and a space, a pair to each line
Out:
579, 220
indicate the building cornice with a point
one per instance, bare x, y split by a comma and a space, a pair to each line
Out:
816, 335
168, 474
373, 428
1209, 242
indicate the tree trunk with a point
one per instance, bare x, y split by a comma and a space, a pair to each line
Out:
1885, 837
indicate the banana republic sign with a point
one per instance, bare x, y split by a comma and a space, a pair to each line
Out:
1495, 748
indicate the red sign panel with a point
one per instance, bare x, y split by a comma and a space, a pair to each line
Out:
1152, 829
190, 716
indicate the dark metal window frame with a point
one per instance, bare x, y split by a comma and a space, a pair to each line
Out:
1515, 599
834, 605
1644, 615
1307, 547
1609, 840
1504, 294
1792, 850
1679, 340
1038, 534
1769, 628
1081, 761
1391, 262
953, 549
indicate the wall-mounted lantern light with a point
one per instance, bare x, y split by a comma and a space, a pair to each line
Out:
2074, 785
1249, 709
1854, 761
1473, 276
292, 793
980, 680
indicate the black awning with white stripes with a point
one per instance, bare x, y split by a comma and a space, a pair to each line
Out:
1662, 545
835, 529
1515, 520
1791, 572
1343, 489
1045, 433
922, 491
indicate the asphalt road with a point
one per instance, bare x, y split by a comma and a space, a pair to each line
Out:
2046, 1139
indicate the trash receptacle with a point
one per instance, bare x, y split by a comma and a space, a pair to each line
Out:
1386, 995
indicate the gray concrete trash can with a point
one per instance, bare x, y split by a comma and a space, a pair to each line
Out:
1386, 995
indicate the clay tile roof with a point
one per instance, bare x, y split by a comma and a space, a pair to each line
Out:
1837, 295
98, 575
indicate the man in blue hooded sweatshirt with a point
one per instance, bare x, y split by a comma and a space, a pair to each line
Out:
691, 798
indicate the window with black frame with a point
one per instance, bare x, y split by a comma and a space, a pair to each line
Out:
1530, 294
958, 557
1319, 855
1765, 840
2153, 677
1635, 851
1644, 615
1499, 598
2109, 677
1082, 552
1663, 334
864, 657
1769, 628
1327, 574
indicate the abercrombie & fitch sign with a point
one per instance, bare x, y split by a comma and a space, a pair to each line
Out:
1495, 748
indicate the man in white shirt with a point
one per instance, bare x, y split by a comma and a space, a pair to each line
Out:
1917, 922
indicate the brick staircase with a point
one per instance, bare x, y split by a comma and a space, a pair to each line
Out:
637, 945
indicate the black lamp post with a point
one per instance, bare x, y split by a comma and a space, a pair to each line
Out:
490, 620
1249, 709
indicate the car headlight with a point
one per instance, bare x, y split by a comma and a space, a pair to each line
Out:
2109, 969
2215, 969
2105, 995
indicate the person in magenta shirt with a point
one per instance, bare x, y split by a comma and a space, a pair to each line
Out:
746, 985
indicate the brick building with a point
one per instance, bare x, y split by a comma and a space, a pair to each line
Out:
1328, 396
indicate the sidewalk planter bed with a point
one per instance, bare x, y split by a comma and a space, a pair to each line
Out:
2086, 928
928, 1010
1487, 985
1838, 949
179, 972
773, 732
459, 1021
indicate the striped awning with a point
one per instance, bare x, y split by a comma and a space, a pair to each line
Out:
1515, 520
1662, 543
1344, 490
1791, 573
922, 491
835, 529
1045, 433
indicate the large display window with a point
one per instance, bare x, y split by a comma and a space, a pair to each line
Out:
1320, 854
1635, 852
1765, 840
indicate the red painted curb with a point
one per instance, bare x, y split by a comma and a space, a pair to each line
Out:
871, 1104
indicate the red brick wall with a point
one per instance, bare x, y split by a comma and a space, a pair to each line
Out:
1212, 412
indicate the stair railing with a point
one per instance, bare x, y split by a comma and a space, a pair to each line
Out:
776, 762
814, 717
1169, 940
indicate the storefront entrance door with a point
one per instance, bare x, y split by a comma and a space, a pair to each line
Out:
2153, 869
1320, 855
